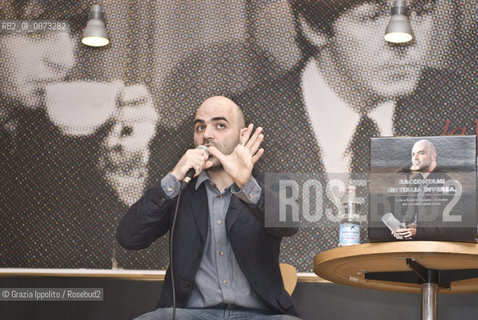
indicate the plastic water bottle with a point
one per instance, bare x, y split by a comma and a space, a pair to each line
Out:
349, 230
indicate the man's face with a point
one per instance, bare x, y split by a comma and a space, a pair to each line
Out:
370, 64
423, 157
29, 62
216, 124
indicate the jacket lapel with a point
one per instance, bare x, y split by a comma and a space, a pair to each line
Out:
233, 212
200, 209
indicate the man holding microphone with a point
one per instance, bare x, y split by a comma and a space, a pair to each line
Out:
225, 257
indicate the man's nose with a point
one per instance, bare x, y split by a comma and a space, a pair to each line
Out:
208, 133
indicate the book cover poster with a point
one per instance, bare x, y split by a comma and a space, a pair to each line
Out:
423, 188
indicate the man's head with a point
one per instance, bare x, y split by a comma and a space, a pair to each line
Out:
424, 156
75, 12
350, 33
218, 122
29, 61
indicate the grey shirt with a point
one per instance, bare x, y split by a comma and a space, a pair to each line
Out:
219, 278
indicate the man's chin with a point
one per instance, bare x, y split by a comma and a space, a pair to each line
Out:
216, 164
396, 88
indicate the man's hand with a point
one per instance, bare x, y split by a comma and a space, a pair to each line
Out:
193, 158
126, 148
240, 162
397, 236
406, 233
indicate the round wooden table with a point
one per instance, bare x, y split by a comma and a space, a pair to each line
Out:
426, 267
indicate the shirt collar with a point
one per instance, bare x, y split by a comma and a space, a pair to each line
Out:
203, 176
332, 109
334, 121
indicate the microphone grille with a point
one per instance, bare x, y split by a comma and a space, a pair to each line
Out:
204, 148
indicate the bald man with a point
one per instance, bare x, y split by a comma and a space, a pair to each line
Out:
424, 162
420, 213
225, 259
424, 157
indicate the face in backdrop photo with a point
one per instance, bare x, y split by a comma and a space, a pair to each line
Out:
369, 64
29, 62
352, 56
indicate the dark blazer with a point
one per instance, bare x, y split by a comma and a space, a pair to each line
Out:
430, 225
255, 247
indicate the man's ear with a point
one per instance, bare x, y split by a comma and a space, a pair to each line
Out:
316, 38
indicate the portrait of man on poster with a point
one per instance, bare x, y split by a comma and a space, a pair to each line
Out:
73, 153
432, 197
351, 85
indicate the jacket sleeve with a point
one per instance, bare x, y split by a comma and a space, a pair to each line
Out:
146, 220
267, 211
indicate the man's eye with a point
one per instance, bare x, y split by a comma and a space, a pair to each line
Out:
221, 126
199, 128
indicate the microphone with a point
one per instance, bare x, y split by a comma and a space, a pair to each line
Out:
190, 174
